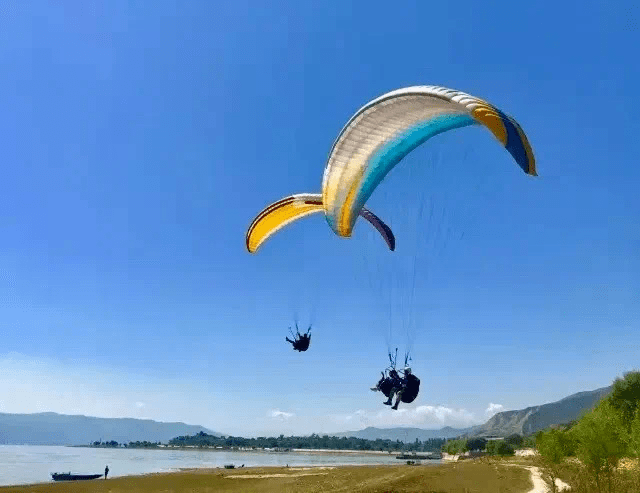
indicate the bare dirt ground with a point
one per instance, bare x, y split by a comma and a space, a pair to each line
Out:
540, 486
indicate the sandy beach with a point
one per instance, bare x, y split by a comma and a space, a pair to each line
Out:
469, 476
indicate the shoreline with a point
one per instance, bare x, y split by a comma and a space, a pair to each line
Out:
202, 471
372, 477
259, 458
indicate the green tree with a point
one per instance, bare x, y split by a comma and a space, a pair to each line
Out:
454, 447
634, 449
505, 449
602, 439
492, 447
476, 443
634, 436
529, 441
499, 447
552, 447
625, 396
515, 440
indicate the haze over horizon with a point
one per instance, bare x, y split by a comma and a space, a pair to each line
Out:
140, 141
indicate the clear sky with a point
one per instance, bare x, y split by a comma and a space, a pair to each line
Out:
139, 140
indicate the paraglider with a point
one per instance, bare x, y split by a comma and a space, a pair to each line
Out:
372, 142
300, 342
405, 387
407, 391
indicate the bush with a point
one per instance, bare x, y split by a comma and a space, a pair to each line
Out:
625, 396
515, 440
454, 447
551, 447
634, 436
477, 443
529, 441
602, 439
599, 439
499, 447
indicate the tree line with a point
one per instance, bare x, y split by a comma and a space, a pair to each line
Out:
504, 447
313, 441
136, 444
204, 440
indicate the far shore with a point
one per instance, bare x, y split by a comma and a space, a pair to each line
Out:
268, 450
342, 451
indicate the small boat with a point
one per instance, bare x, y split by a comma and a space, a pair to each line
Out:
415, 456
62, 476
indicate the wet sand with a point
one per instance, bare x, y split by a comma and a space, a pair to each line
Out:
469, 477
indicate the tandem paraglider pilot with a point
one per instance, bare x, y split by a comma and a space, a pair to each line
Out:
405, 387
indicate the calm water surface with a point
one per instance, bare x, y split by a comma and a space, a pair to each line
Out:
25, 464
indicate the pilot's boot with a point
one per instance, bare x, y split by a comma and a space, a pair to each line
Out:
387, 402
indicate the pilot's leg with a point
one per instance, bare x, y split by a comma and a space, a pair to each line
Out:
398, 397
390, 399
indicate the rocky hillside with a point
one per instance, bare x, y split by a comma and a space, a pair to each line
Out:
536, 418
524, 421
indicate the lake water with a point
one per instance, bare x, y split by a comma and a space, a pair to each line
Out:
26, 464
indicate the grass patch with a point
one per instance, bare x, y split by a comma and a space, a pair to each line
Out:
465, 477
625, 478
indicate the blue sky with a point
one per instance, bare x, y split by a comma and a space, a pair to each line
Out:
139, 141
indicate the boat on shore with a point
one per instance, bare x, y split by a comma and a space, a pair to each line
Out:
415, 456
62, 476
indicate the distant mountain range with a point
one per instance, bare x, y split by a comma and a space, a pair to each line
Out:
404, 434
61, 429
525, 422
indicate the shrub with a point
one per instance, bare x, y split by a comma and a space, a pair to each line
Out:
515, 440
499, 447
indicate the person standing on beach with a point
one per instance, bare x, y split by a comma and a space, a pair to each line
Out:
106, 471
